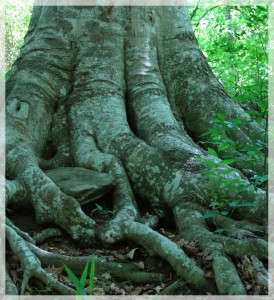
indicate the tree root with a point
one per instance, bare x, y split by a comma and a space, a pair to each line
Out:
119, 271
11, 288
50, 203
226, 276
157, 244
115, 74
31, 265
255, 270
31, 258
48, 233
21, 233
176, 286
234, 225
228, 282
194, 226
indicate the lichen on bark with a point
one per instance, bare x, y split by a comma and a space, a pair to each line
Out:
123, 91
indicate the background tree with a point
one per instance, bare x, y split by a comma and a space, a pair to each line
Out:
127, 92
247, 81
17, 17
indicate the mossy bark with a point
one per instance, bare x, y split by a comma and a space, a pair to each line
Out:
124, 91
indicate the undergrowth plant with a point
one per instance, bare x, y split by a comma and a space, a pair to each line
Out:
218, 138
80, 284
103, 211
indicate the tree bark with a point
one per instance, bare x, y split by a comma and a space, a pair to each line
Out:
126, 91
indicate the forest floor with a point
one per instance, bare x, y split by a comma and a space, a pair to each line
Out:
125, 252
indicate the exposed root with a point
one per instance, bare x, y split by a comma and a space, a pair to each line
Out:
46, 234
50, 203
234, 225
143, 71
157, 244
124, 205
119, 271
255, 269
32, 266
191, 225
21, 233
226, 276
11, 288
176, 288
151, 221
15, 194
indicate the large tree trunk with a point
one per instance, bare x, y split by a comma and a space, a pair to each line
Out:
125, 91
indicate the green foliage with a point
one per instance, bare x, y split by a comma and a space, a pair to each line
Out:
80, 284
218, 138
103, 211
17, 18
220, 186
234, 40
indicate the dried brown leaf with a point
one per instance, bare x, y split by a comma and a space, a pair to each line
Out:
118, 255
248, 287
137, 291
140, 265
64, 279
106, 276
114, 289
208, 258
130, 254
190, 249
158, 288
55, 272
14, 276
128, 288
98, 291
209, 275
247, 268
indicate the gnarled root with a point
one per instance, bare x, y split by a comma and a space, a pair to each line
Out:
191, 225
33, 258
51, 204
31, 264
132, 92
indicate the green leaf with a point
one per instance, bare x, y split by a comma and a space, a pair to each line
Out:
79, 288
205, 134
84, 274
223, 147
238, 204
211, 214
233, 204
99, 207
212, 152
224, 213
245, 204
220, 116
229, 124
262, 178
91, 276
210, 163
7, 75
215, 203
227, 161
226, 171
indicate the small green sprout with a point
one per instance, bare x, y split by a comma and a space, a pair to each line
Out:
80, 284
